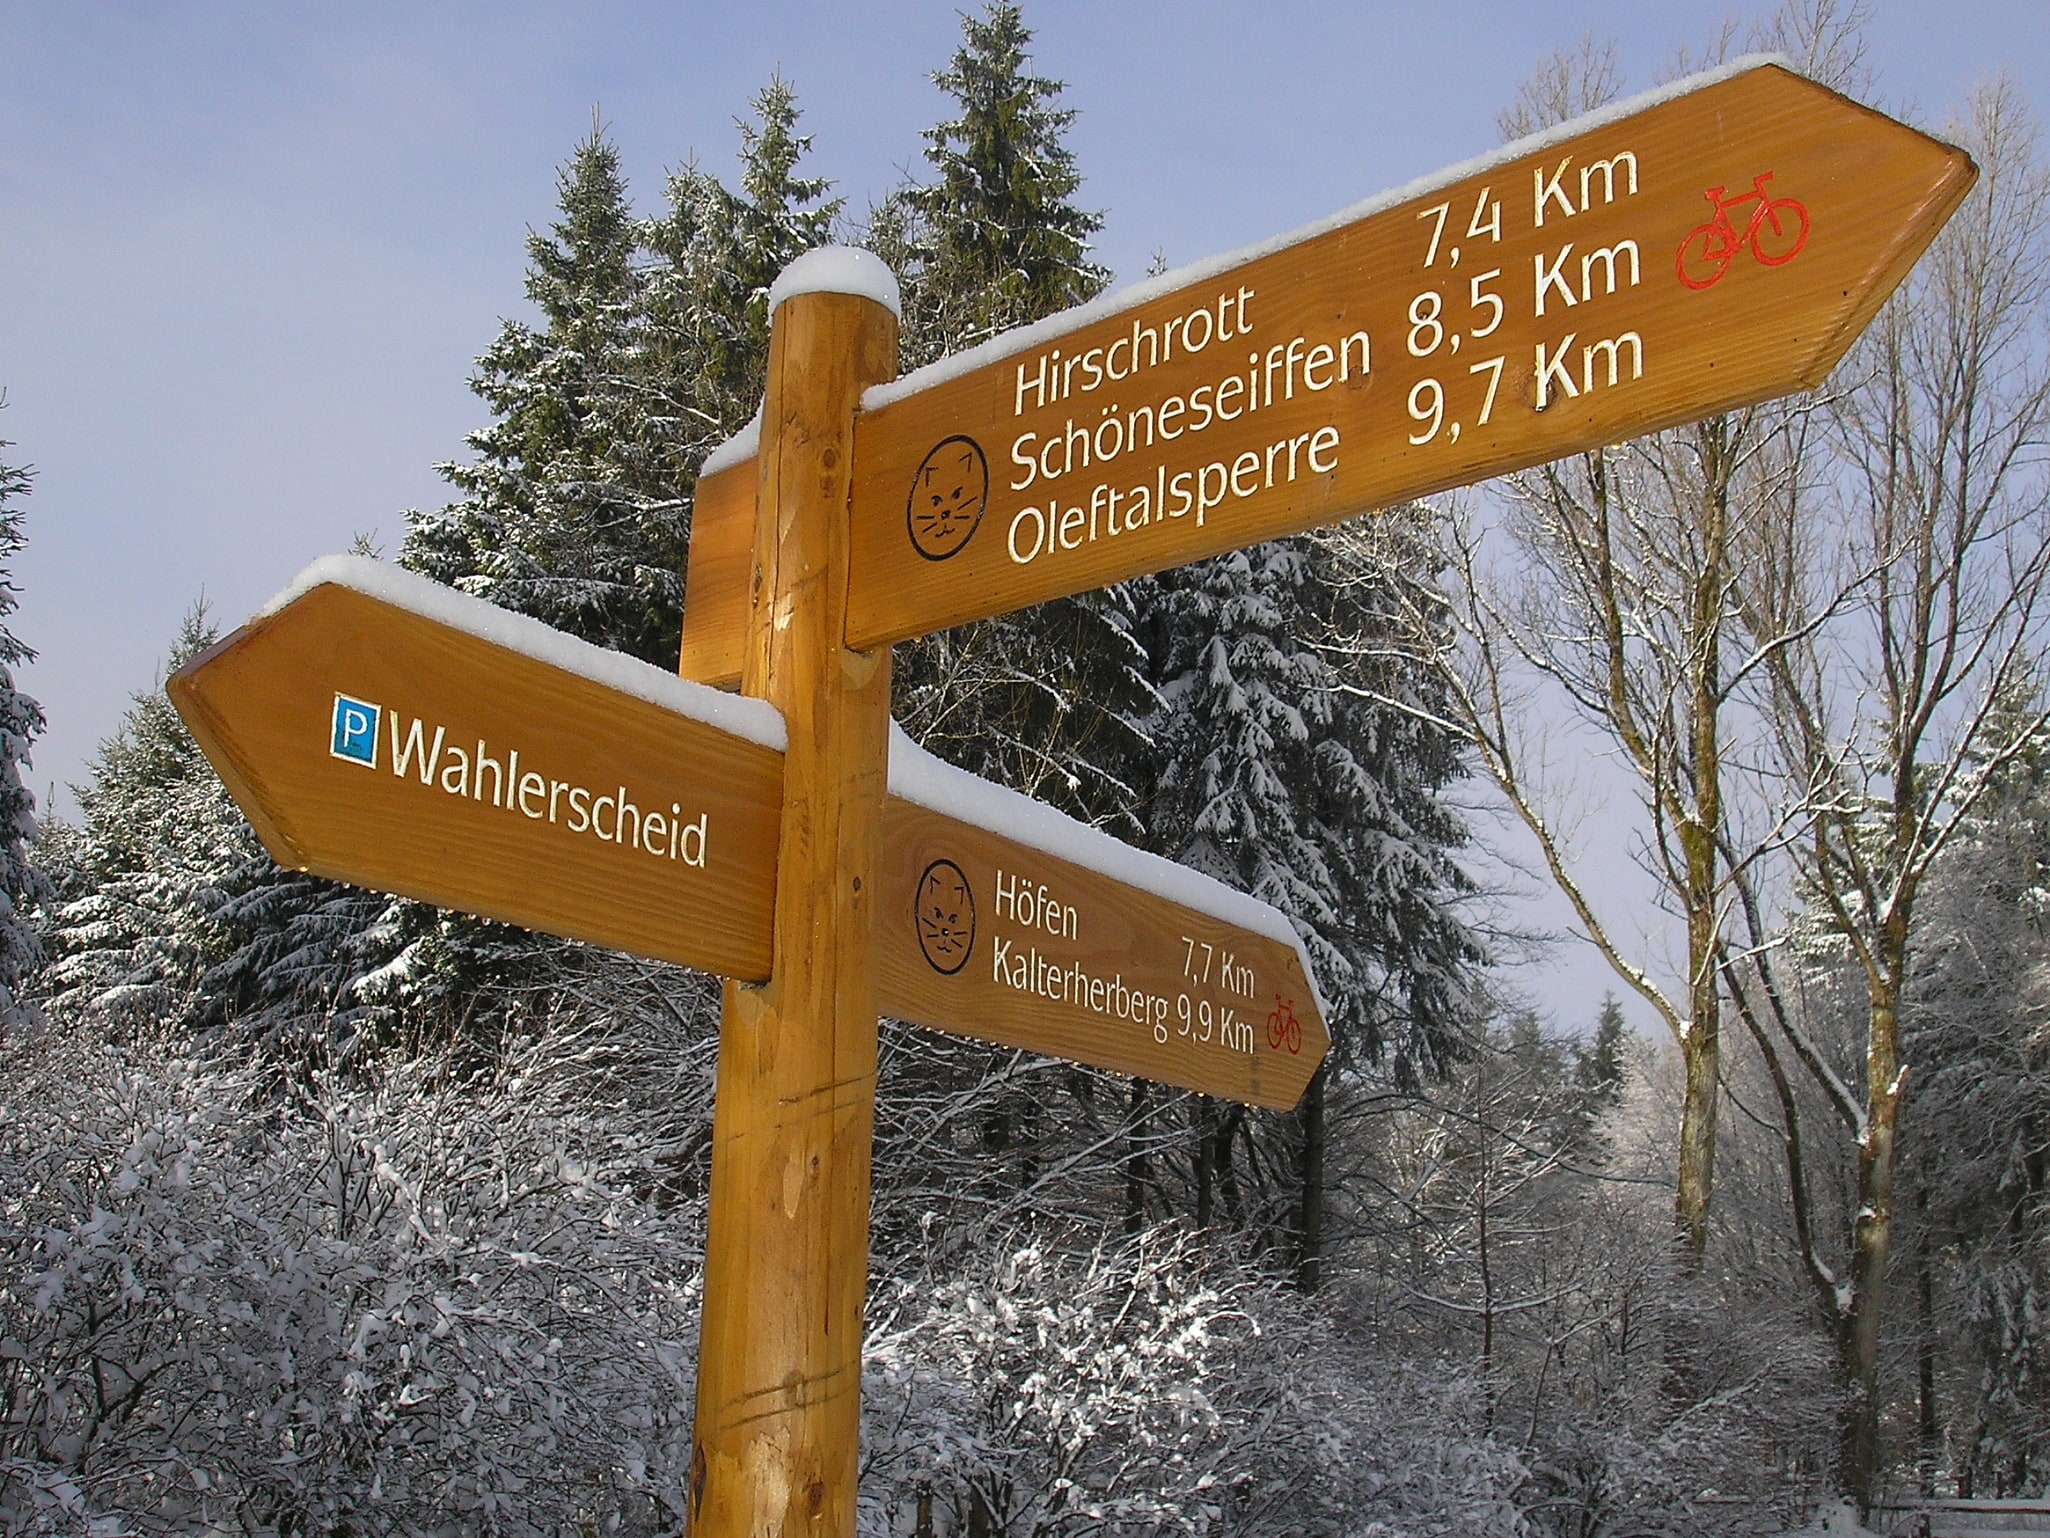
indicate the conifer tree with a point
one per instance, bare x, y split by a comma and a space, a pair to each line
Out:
22, 886
157, 852
717, 253
1299, 763
1049, 701
1599, 1069
1288, 772
573, 510
997, 240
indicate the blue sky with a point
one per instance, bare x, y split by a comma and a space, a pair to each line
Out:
247, 251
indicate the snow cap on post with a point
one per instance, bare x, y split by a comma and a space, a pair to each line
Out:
838, 270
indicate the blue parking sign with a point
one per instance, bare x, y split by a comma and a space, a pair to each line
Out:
355, 736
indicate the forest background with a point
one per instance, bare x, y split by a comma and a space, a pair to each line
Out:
324, 1210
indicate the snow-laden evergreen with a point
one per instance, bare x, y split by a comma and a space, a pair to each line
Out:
156, 854
572, 508
715, 254
22, 886
1975, 1131
1050, 700
576, 510
1297, 768
996, 240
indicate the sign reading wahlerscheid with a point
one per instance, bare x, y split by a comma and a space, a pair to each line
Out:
1714, 245
377, 728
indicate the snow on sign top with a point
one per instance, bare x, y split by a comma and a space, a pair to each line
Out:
920, 778
1131, 296
738, 449
1002, 919
747, 441
1117, 301
381, 729
756, 721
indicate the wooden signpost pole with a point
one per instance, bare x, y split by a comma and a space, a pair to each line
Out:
779, 1361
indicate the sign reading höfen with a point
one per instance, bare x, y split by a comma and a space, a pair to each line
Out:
1058, 939
1716, 245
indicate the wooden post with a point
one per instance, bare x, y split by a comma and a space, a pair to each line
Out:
786, 1253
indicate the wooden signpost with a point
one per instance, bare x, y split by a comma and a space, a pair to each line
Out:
1637, 268
1682, 254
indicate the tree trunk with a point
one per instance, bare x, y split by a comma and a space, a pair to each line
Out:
1310, 1218
1221, 1161
1872, 1233
1485, 1258
1929, 1430
1137, 1175
1698, 832
1703, 1054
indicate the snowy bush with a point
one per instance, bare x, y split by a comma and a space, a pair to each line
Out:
368, 1309
1131, 1386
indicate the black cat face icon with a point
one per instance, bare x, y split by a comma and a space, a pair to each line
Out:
948, 497
946, 917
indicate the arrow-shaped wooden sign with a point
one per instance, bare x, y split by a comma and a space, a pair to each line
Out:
1708, 246
378, 728
381, 729
1005, 920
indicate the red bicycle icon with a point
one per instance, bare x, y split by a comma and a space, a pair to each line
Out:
1283, 1029
1777, 232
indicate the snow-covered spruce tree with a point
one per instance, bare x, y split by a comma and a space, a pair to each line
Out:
574, 511
22, 886
997, 239
1598, 1066
1975, 1136
159, 849
1050, 700
1300, 761
571, 511
716, 253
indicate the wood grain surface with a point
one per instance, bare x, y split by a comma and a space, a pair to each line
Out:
786, 1247
262, 703
719, 576
981, 936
